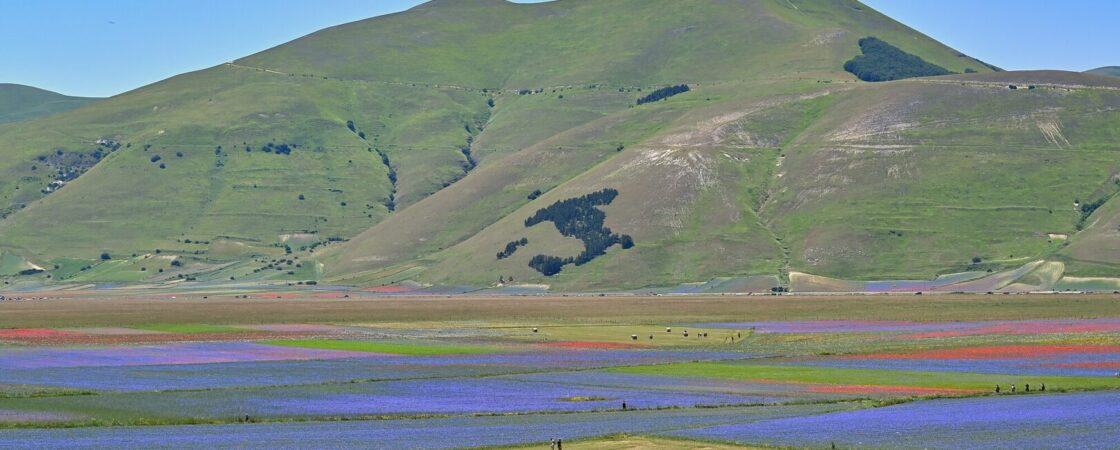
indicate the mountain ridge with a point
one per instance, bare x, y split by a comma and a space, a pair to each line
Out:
416, 144
19, 102
1113, 71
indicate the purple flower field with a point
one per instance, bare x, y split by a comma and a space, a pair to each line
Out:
403, 397
454, 432
186, 353
663, 383
1068, 421
483, 395
45, 367
537, 390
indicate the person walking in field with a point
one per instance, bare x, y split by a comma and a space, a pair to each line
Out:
1012, 388
997, 388
1043, 387
552, 444
1028, 387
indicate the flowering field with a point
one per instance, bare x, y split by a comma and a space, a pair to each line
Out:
421, 433
1073, 421
433, 384
928, 330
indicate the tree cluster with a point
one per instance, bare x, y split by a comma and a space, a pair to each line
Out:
663, 93
1088, 208
279, 149
391, 202
579, 218
511, 247
881, 61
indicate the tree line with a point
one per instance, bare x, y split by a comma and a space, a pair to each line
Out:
663, 93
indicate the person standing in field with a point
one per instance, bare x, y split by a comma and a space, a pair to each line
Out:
552, 444
997, 388
1012, 388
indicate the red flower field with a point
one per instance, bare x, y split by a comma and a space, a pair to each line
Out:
997, 352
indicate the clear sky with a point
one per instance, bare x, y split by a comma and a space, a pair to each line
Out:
1073, 35
105, 47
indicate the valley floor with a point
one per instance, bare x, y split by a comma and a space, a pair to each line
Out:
141, 369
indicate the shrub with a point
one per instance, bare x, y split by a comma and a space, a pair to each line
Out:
155, 158
105, 256
626, 241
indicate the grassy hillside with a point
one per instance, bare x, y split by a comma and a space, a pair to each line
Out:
779, 47
417, 144
900, 180
19, 102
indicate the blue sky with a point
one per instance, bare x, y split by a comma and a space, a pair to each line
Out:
104, 47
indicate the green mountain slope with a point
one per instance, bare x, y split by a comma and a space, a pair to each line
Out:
19, 102
904, 180
1113, 71
414, 147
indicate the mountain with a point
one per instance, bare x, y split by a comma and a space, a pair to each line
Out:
1112, 71
607, 144
19, 102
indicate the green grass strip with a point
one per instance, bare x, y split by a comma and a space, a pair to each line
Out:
386, 347
833, 375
